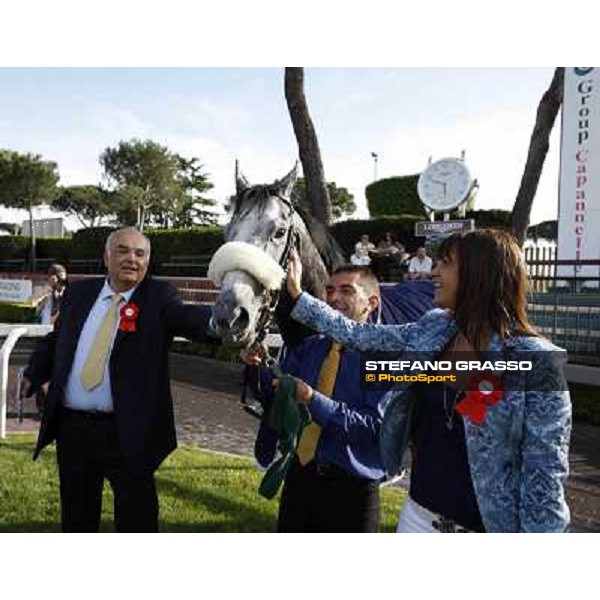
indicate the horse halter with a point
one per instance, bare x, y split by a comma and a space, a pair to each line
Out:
271, 297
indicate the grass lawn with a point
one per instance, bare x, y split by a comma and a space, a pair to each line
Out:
198, 491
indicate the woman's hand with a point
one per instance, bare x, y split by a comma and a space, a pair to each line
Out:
294, 275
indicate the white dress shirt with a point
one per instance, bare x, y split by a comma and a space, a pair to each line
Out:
100, 398
417, 265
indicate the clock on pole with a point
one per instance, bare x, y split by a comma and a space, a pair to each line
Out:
445, 184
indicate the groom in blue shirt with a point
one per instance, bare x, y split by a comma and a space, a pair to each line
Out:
332, 484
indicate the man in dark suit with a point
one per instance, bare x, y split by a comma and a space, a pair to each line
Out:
109, 405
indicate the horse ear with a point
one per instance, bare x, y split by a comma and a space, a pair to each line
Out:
285, 185
241, 183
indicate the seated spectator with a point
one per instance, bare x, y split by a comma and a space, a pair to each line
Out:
385, 257
387, 246
362, 251
403, 258
420, 265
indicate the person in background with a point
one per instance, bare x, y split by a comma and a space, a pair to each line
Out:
109, 404
385, 257
49, 307
490, 451
420, 265
362, 251
403, 258
48, 310
332, 484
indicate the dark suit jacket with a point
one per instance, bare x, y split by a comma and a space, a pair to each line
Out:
139, 367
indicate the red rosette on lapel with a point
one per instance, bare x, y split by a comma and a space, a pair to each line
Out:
129, 315
485, 389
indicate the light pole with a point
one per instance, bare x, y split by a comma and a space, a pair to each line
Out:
375, 157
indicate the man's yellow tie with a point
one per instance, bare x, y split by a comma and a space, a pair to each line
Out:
307, 447
95, 363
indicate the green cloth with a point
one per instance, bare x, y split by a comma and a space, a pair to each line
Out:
287, 418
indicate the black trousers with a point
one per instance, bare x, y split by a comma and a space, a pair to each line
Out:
88, 452
323, 498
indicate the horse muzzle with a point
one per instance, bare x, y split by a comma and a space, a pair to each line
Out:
234, 313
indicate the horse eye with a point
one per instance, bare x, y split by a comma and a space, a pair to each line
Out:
280, 233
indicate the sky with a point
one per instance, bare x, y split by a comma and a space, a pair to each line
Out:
404, 115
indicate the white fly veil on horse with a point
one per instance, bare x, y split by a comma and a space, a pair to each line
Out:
242, 256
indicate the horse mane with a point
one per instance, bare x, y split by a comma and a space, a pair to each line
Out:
326, 245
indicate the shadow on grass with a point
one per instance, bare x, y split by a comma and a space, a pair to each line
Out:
106, 526
228, 467
19, 449
238, 516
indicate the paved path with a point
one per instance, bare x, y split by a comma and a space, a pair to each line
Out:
206, 396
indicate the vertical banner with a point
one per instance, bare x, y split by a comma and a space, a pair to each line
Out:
579, 188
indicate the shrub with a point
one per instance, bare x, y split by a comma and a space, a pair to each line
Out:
394, 196
14, 246
57, 248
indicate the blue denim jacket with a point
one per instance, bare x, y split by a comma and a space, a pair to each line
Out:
518, 457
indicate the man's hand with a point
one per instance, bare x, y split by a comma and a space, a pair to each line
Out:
304, 392
254, 355
294, 276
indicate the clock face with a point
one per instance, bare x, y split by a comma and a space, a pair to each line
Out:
444, 184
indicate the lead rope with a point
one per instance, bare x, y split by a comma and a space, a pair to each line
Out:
271, 299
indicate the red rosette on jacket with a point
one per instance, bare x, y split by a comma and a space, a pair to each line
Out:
129, 315
485, 389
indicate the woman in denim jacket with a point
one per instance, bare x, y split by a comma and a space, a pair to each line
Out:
495, 465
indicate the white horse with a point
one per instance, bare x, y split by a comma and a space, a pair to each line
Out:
250, 267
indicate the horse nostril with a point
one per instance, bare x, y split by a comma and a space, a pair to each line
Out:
243, 320
230, 319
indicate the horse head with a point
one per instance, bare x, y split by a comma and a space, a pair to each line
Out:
250, 267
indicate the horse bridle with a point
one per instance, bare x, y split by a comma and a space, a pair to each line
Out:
271, 297
266, 315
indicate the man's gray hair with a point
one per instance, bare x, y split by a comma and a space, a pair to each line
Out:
110, 239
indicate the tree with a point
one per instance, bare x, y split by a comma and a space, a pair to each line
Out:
538, 149
153, 185
193, 184
342, 201
89, 203
308, 145
146, 169
27, 181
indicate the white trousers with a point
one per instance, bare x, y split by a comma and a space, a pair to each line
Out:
415, 519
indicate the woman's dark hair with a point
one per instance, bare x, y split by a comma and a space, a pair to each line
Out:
492, 285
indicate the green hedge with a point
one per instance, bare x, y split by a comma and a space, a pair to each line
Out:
57, 248
183, 242
394, 196
496, 217
88, 243
17, 312
13, 247
347, 233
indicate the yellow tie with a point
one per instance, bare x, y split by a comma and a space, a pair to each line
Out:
307, 447
95, 363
